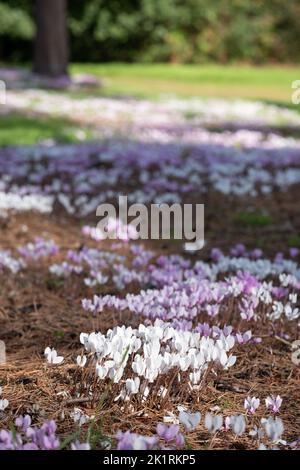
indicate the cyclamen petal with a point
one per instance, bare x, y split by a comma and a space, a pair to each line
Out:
3, 404
81, 361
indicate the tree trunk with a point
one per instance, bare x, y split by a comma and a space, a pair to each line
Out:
51, 44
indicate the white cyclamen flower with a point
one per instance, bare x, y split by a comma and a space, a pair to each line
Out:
189, 420
79, 417
81, 361
274, 428
132, 385
213, 422
238, 424
52, 357
3, 404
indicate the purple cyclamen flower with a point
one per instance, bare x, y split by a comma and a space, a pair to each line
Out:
212, 310
274, 403
238, 250
294, 252
168, 433
6, 440
256, 253
30, 446
131, 441
243, 338
257, 340
279, 292
249, 281
216, 254
23, 422
179, 441
279, 257
33, 438
80, 446
204, 329
251, 404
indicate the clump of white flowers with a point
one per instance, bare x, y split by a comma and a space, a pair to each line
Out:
8, 262
29, 202
138, 356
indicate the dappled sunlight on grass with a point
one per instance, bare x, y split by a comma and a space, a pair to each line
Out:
20, 129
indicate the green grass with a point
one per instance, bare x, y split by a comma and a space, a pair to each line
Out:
18, 129
294, 241
253, 219
269, 83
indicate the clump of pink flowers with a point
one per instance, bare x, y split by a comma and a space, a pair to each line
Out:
28, 437
167, 437
40, 248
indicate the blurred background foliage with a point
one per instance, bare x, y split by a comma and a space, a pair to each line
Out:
178, 31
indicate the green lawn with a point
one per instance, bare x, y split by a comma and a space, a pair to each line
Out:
269, 83
19, 129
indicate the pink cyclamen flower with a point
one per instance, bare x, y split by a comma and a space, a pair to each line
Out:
131, 441
294, 252
279, 257
216, 254
243, 338
213, 310
168, 433
23, 422
251, 404
274, 403
238, 250
256, 254
80, 446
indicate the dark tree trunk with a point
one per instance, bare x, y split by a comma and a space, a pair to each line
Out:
51, 44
